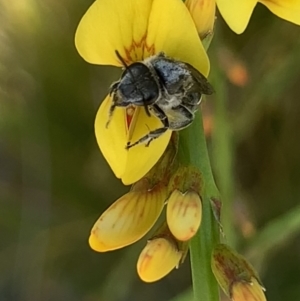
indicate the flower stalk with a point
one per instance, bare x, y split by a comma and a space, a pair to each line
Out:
193, 151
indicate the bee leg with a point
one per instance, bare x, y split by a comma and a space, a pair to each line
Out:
110, 113
149, 137
113, 88
184, 117
158, 112
112, 92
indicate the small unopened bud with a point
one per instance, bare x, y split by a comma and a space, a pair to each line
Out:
235, 275
203, 14
158, 258
184, 213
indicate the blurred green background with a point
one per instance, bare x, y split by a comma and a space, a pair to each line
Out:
54, 182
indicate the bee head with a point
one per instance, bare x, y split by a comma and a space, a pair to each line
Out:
138, 86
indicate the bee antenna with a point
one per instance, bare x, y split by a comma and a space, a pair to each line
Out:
121, 59
124, 63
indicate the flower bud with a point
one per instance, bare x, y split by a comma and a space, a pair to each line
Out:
158, 258
128, 219
235, 275
184, 213
203, 14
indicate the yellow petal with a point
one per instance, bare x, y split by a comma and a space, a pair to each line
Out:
172, 30
243, 291
127, 220
111, 25
129, 165
184, 213
158, 258
236, 13
112, 139
138, 29
285, 9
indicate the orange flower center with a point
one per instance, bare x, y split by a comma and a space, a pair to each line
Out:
129, 114
138, 50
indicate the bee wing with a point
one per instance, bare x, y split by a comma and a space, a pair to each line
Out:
200, 81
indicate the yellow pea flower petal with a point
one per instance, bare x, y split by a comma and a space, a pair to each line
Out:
171, 29
127, 220
184, 213
243, 291
132, 164
158, 258
285, 9
236, 13
111, 25
139, 29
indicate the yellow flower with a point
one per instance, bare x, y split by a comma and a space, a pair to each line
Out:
203, 14
244, 291
137, 29
184, 213
129, 218
237, 13
158, 258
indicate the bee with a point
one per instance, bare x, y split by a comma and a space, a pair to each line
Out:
167, 88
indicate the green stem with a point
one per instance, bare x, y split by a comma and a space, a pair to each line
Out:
193, 151
222, 147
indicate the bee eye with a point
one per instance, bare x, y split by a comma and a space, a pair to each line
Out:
127, 89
